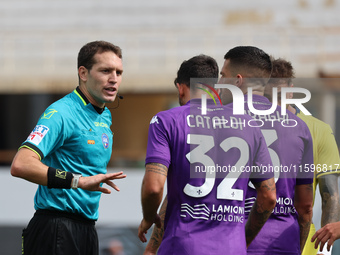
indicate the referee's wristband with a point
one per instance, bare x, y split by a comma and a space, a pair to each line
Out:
59, 179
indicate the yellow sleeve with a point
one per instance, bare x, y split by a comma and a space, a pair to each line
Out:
325, 149
327, 159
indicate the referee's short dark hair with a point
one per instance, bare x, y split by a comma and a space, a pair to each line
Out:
86, 53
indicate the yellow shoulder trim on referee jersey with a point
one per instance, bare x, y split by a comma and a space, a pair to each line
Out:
25, 146
318, 175
75, 91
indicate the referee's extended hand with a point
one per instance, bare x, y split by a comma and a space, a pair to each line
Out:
92, 183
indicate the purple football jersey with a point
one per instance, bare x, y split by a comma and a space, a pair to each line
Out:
207, 157
291, 149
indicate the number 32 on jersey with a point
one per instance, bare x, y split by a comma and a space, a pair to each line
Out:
225, 188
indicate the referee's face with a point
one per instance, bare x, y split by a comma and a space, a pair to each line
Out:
103, 80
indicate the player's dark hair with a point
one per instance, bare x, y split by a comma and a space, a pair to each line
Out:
87, 52
283, 71
250, 62
201, 66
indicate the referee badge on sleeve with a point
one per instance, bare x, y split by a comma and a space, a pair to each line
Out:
38, 134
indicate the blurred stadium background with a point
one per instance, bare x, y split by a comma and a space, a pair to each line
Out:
39, 42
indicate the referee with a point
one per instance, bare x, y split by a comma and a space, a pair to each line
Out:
67, 154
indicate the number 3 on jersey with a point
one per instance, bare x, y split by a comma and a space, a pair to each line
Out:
198, 155
270, 136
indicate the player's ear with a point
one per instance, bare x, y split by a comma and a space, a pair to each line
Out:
239, 80
83, 73
180, 87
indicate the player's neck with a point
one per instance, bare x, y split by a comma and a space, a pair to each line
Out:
291, 109
259, 93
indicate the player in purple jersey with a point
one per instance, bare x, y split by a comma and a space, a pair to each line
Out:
204, 159
291, 149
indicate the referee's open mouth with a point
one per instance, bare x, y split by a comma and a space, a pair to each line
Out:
111, 90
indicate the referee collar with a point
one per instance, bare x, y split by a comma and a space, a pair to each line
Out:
86, 101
